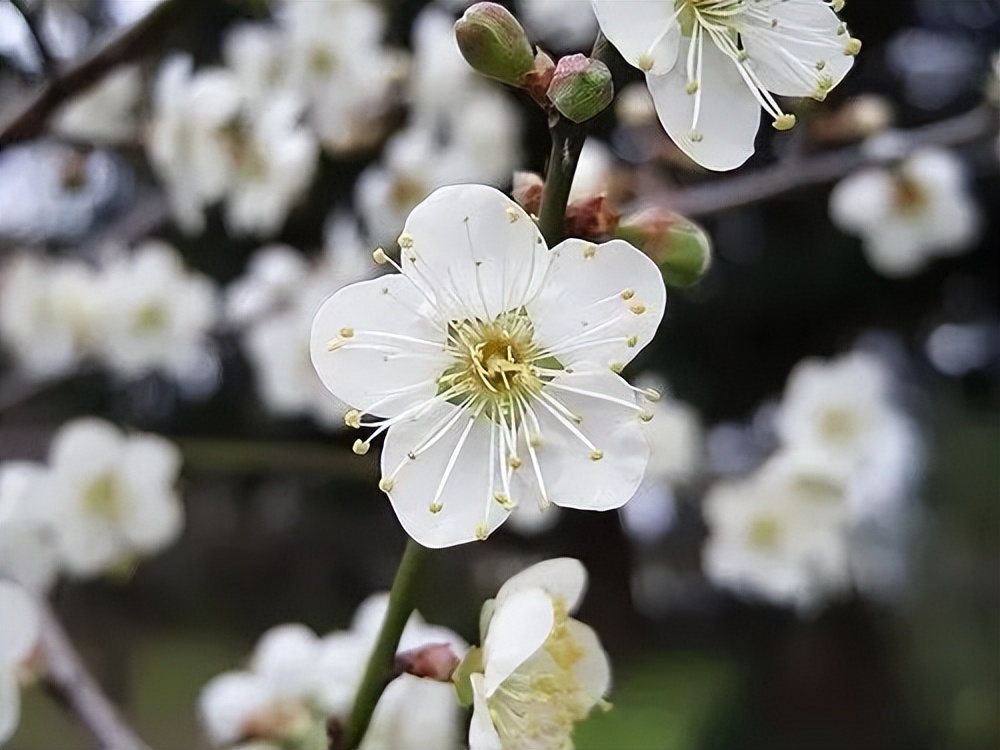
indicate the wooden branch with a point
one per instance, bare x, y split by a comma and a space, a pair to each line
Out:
69, 677
754, 187
31, 118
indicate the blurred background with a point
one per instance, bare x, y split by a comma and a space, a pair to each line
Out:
284, 524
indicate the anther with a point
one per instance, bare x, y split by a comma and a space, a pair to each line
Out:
514, 462
596, 455
785, 122
616, 367
692, 87
504, 501
637, 308
631, 341
646, 62
590, 251
361, 446
645, 416
353, 419
405, 241
380, 257
482, 532
435, 507
347, 332
535, 440
628, 294
696, 137
512, 215
385, 484
651, 394
853, 47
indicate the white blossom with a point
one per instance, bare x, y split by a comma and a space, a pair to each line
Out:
712, 64
154, 314
782, 533
539, 671
273, 275
106, 113
18, 635
491, 364
28, 553
559, 23
48, 313
110, 496
910, 214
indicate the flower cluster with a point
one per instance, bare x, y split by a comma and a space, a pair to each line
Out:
848, 457
296, 682
102, 501
133, 313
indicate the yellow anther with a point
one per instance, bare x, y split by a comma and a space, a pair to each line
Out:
646, 62
821, 65
785, 122
631, 341
616, 367
435, 507
651, 394
696, 137
645, 416
347, 332
405, 240
692, 87
503, 501
380, 257
514, 462
837, 5
637, 308
596, 454
482, 532
590, 251
512, 214
535, 440
361, 446
385, 484
628, 294
353, 419
853, 47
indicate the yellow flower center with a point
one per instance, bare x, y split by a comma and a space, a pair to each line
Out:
764, 532
103, 497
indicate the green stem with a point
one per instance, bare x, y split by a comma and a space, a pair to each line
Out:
567, 143
379, 670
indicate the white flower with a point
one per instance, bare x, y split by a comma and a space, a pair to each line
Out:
106, 113
111, 496
909, 215
47, 313
229, 702
843, 409
189, 136
493, 362
712, 64
275, 159
18, 635
559, 23
782, 533
539, 671
154, 313
28, 553
593, 171
253, 51
273, 275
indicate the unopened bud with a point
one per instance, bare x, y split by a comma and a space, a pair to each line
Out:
681, 248
435, 661
527, 191
537, 80
591, 218
494, 43
581, 88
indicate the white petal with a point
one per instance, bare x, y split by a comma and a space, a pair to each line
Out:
571, 475
477, 252
339, 668
729, 116
563, 578
466, 501
593, 670
402, 372
19, 626
520, 625
85, 448
794, 48
286, 657
88, 546
228, 701
151, 519
645, 32
10, 703
150, 460
597, 300
862, 200
482, 734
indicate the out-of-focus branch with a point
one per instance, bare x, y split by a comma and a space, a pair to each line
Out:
249, 456
753, 187
71, 680
31, 21
30, 119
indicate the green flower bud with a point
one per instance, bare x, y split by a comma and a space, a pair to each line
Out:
494, 43
681, 248
580, 88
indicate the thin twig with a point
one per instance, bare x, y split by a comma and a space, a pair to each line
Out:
68, 675
754, 187
31, 118
31, 21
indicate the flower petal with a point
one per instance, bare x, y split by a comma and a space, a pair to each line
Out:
645, 32
473, 250
151, 518
795, 47
482, 734
85, 448
19, 627
593, 670
374, 366
572, 477
10, 703
466, 504
563, 578
150, 460
729, 116
520, 625
600, 305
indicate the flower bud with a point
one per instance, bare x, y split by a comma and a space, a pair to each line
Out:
681, 248
527, 191
494, 43
580, 88
591, 218
435, 661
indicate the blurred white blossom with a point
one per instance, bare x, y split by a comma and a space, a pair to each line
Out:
18, 636
110, 496
105, 113
910, 214
560, 24
28, 552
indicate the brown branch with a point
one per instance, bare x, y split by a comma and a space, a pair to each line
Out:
69, 677
753, 187
31, 118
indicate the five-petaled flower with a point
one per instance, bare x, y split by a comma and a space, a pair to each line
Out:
492, 365
712, 64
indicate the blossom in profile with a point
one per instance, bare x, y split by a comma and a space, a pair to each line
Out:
539, 671
111, 497
491, 365
909, 214
711, 65
296, 681
28, 552
18, 635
